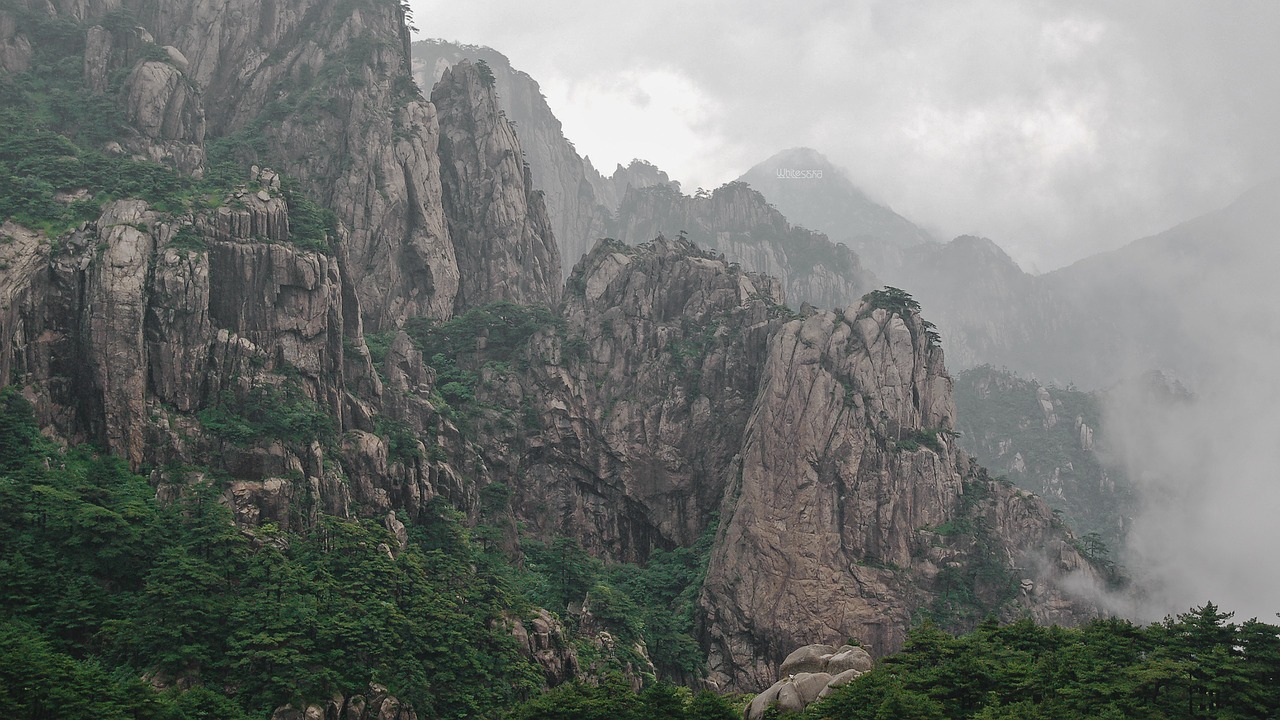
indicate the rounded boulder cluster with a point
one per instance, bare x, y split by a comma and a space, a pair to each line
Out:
810, 673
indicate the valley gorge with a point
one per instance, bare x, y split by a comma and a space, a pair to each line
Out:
390, 327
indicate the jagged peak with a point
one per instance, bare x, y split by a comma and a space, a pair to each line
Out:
979, 245
467, 73
674, 261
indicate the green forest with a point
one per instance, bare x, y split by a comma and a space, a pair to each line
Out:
110, 598
108, 594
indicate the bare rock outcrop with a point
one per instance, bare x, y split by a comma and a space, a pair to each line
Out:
500, 228
140, 324
846, 460
737, 221
166, 111
334, 76
809, 673
637, 399
374, 704
569, 185
544, 640
15, 49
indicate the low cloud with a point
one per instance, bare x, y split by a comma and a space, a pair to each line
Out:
1057, 129
1207, 468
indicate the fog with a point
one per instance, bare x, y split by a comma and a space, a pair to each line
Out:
1057, 129
1207, 467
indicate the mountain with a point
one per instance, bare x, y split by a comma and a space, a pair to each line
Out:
579, 200
1052, 441
1094, 323
639, 201
975, 292
812, 191
736, 221
298, 419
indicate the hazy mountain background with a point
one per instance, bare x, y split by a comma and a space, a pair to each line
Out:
1100, 324
1058, 129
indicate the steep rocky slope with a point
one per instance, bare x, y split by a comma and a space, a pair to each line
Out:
736, 221
579, 200
229, 331
223, 330
842, 508
678, 391
315, 75
1094, 323
499, 226
1052, 441
812, 191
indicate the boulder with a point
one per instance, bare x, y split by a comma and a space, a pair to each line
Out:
755, 710
808, 659
789, 698
840, 680
849, 658
809, 685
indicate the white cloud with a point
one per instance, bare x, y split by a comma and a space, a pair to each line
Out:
1057, 129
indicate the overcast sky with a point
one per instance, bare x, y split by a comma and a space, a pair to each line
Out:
1059, 129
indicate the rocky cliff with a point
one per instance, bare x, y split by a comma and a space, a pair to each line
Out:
842, 506
580, 200
222, 327
499, 226
636, 397
678, 391
736, 221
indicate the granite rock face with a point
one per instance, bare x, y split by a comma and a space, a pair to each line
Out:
333, 82
167, 114
737, 221
637, 400
671, 395
500, 228
578, 200
847, 462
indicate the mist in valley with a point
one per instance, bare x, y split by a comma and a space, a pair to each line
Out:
1063, 136
1206, 457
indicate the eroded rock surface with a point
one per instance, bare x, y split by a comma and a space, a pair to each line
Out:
499, 225
737, 221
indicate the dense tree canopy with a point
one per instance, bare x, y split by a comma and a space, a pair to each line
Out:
1197, 665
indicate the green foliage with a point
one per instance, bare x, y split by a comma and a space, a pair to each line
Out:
1197, 665
53, 130
503, 327
402, 441
311, 227
486, 73
898, 301
100, 584
655, 602
379, 345
268, 412
983, 585
913, 440
1001, 417
460, 348
187, 238
894, 300
690, 348
612, 699
707, 705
